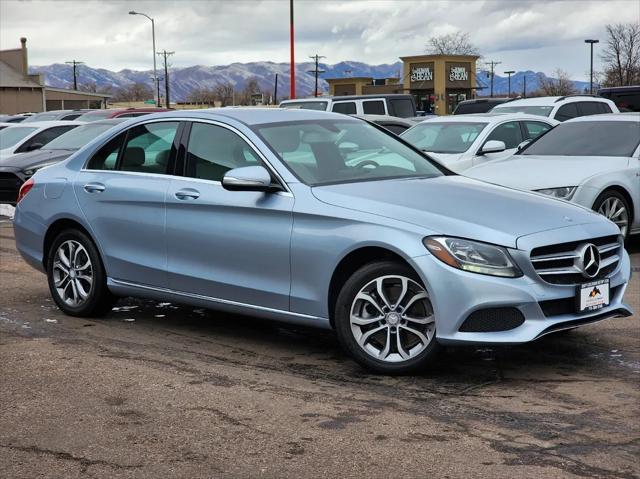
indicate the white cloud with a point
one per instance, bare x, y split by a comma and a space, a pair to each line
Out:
522, 34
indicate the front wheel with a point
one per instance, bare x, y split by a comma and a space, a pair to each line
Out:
76, 276
614, 207
385, 320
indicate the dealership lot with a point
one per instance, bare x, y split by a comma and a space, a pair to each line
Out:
158, 388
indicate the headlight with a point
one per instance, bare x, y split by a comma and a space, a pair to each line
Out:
564, 193
473, 256
31, 171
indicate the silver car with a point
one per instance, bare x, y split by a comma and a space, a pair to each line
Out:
318, 219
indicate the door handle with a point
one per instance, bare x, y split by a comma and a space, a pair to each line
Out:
94, 187
187, 194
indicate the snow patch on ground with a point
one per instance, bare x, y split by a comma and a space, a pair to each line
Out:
7, 210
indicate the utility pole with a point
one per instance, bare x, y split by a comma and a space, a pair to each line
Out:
75, 72
292, 88
275, 91
524, 87
493, 65
166, 54
591, 42
510, 72
316, 71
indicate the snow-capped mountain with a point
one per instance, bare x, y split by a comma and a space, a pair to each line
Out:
185, 80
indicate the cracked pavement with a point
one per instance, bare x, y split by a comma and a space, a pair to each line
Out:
162, 390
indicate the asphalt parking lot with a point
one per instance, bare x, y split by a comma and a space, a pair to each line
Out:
160, 390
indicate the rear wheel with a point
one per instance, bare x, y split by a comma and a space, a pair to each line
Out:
384, 319
614, 207
76, 276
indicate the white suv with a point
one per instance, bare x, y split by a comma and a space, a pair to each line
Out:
560, 108
391, 104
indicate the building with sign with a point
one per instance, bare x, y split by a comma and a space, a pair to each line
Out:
437, 82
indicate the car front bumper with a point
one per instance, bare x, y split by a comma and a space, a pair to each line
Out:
545, 307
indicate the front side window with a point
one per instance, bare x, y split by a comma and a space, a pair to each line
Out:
149, 147
588, 138
533, 129
341, 151
444, 137
40, 139
373, 107
509, 133
214, 150
346, 107
11, 136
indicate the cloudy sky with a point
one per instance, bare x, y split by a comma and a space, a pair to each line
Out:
538, 35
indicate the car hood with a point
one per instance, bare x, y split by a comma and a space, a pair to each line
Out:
33, 158
458, 206
530, 172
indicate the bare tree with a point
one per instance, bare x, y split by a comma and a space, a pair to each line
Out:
225, 93
203, 95
560, 85
622, 55
457, 43
133, 92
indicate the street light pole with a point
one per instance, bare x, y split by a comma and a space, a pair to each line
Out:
510, 72
591, 42
156, 85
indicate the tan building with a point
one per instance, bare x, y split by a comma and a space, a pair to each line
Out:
21, 92
437, 82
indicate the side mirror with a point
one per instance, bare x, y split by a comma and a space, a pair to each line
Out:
523, 144
493, 146
248, 178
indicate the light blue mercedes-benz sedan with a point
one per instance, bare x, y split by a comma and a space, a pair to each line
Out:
319, 219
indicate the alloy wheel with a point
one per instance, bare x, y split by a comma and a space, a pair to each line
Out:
392, 319
615, 210
72, 273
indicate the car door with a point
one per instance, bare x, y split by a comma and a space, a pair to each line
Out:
226, 245
122, 195
508, 132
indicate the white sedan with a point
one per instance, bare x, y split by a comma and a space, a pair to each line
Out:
462, 141
21, 138
593, 161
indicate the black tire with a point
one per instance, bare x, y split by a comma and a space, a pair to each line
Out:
612, 195
99, 299
342, 323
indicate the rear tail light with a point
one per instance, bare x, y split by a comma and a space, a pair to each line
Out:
25, 188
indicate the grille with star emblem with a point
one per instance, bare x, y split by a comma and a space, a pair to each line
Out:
561, 263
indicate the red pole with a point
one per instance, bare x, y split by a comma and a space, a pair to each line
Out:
292, 93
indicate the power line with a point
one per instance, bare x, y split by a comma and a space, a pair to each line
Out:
166, 54
75, 73
493, 65
316, 71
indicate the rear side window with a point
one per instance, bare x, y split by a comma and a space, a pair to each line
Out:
401, 107
149, 147
566, 112
533, 129
214, 150
604, 108
373, 107
347, 108
589, 108
107, 156
44, 137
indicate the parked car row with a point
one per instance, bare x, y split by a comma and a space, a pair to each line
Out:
328, 220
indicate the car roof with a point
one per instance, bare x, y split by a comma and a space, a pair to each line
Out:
489, 117
348, 97
631, 116
47, 124
253, 116
549, 100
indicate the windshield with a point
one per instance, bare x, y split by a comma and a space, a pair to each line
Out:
531, 110
42, 117
95, 115
338, 151
78, 137
305, 105
444, 137
12, 135
588, 138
